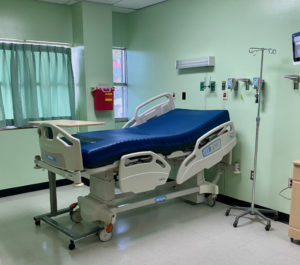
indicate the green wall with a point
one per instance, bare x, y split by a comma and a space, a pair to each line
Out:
28, 20
178, 29
97, 39
79, 25
33, 20
120, 30
92, 30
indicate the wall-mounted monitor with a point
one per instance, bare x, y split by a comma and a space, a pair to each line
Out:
296, 47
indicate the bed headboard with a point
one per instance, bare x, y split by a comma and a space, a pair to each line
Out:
153, 112
59, 148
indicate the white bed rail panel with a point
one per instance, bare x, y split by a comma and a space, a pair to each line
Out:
142, 171
57, 152
153, 112
208, 155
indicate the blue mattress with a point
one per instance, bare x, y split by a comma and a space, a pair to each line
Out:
176, 130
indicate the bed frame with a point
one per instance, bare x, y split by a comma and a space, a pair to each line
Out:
143, 178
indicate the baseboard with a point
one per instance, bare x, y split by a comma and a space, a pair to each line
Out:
85, 181
33, 187
282, 217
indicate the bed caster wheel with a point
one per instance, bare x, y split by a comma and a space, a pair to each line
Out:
104, 236
72, 245
211, 200
75, 216
235, 223
292, 239
37, 222
267, 227
227, 212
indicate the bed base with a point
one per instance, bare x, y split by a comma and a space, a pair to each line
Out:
196, 191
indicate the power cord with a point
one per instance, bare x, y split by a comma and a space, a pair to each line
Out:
283, 196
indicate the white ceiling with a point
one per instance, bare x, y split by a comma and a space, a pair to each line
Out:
123, 6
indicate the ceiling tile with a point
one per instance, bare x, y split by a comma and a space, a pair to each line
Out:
111, 2
137, 4
122, 10
124, 6
57, 1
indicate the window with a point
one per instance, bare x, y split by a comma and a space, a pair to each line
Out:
120, 83
36, 83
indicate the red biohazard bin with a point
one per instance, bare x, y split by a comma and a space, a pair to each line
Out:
103, 98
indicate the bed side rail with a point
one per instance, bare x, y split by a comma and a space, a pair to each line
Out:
59, 148
208, 152
153, 112
142, 171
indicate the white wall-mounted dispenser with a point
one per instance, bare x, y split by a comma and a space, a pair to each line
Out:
197, 62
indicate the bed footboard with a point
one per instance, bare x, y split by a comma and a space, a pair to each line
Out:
59, 148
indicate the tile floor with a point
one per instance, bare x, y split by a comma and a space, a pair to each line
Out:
175, 232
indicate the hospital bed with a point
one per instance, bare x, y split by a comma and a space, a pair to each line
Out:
158, 155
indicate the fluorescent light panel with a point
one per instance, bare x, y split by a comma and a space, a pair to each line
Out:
197, 62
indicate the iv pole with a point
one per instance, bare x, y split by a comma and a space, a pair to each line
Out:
252, 210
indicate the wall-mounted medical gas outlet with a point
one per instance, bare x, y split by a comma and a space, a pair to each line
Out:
223, 85
256, 83
202, 86
212, 86
246, 81
225, 95
290, 182
231, 83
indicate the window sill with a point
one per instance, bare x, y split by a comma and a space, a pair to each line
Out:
11, 128
121, 119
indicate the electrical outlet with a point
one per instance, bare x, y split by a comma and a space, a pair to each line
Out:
174, 95
290, 183
252, 175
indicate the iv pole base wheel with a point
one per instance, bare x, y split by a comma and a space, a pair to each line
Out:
268, 226
227, 212
252, 211
235, 223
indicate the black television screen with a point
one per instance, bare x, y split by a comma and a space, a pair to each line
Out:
296, 47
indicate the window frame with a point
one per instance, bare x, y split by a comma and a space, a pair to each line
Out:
125, 84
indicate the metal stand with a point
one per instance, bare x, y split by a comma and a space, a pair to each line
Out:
47, 218
252, 210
